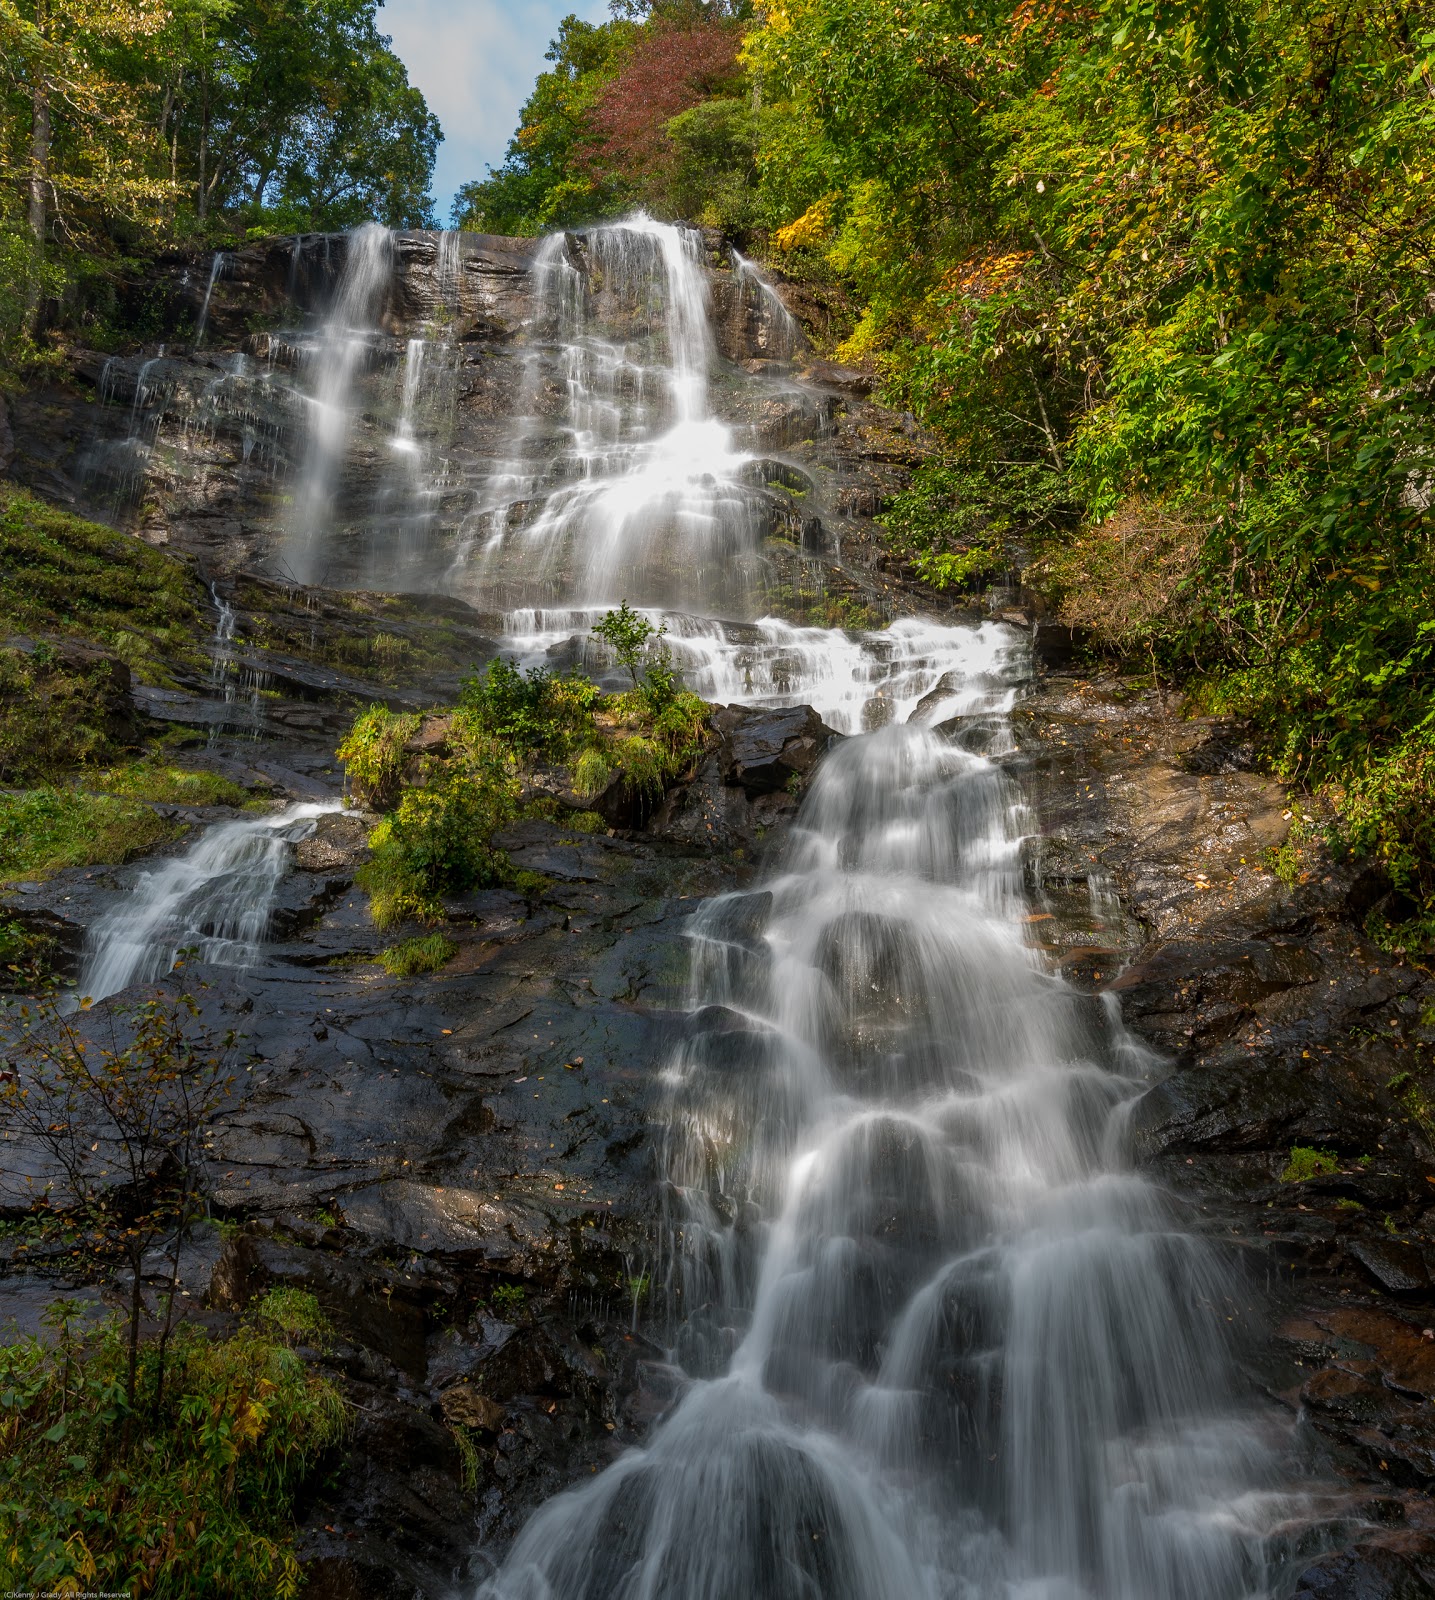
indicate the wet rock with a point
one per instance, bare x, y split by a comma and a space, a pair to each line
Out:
1398, 1268
467, 1407
766, 752
1399, 1567
338, 844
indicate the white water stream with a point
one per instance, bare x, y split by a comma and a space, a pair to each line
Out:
937, 1340
217, 898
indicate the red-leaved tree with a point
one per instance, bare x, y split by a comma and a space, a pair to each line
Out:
672, 66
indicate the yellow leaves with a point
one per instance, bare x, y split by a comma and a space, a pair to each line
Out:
810, 228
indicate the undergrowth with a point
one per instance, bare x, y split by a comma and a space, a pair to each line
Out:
45, 830
191, 1491
443, 798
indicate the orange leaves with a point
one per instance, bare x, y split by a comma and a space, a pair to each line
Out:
990, 275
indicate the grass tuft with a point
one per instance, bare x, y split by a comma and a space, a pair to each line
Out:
43, 831
411, 957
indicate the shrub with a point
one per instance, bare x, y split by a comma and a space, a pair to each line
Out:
437, 841
592, 773
626, 633
1123, 578
414, 956
373, 753
530, 713
196, 1501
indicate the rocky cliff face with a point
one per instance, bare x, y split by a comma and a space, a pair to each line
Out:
196, 440
457, 1165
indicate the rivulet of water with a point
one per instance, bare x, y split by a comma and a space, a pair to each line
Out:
342, 348
218, 897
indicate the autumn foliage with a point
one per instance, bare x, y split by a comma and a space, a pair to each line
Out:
671, 68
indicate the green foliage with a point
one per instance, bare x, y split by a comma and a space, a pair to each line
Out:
45, 830
414, 956
539, 184
373, 752
437, 841
190, 1489
532, 714
55, 713
626, 633
592, 772
957, 526
1306, 1162
1161, 279
508, 1298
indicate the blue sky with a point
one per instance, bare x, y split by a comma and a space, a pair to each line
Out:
475, 61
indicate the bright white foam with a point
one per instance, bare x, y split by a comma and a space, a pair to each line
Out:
855, 681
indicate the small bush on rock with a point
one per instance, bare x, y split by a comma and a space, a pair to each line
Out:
373, 753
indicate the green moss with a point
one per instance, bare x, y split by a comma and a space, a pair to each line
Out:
54, 715
45, 830
1307, 1162
195, 1491
167, 785
414, 956
62, 575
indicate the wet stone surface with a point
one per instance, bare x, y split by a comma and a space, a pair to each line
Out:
1278, 1026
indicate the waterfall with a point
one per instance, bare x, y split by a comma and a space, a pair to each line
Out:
944, 1343
343, 345
217, 268
939, 1340
218, 897
638, 485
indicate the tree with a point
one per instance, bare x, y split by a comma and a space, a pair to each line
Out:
115, 1129
538, 185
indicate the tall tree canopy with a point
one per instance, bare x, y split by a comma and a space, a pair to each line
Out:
124, 122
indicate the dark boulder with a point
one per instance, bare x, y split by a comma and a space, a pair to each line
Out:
765, 752
1402, 1569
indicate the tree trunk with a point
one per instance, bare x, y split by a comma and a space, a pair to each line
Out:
40, 162
136, 1311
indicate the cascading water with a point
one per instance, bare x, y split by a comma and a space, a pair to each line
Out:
219, 897
639, 487
937, 1341
342, 348
944, 1345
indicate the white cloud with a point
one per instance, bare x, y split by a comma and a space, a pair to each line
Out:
475, 61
